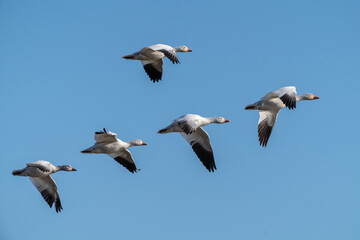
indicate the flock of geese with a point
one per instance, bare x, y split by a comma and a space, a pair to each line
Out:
189, 126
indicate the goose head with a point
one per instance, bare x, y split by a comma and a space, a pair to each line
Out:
220, 120
137, 142
67, 168
183, 49
310, 96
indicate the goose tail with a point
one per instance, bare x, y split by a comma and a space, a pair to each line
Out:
18, 172
164, 130
131, 56
250, 107
89, 150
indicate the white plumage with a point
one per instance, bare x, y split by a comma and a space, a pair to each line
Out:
271, 104
190, 127
152, 58
39, 173
108, 143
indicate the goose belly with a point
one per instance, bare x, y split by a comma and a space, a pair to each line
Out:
154, 55
109, 148
273, 104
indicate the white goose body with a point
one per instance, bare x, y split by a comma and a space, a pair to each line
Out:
33, 169
188, 123
39, 174
110, 147
271, 104
190, 127
152, 58
108, 143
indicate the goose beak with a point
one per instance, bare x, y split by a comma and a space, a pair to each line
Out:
227, 120
144, 143
316, 97
189, 50
73, 169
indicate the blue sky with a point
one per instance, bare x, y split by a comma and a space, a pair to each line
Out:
62, 78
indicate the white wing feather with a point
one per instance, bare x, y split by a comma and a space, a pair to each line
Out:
105, 137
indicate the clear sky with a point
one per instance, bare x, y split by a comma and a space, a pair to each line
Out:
62, 78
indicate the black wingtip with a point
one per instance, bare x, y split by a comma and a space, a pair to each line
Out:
58, 206
155, 80
264, 132
289, 101
211, 168
153, 74
206, 157
128, 165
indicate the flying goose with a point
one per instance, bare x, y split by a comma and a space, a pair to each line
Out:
190, 127
39, 173
152, 58
271, 104
106, 142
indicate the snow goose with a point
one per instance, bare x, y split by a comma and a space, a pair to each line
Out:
190, 127
271, 104
108, 143
152, 58
39, 173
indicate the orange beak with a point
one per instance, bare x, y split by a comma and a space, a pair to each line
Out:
144, 143
316, 97
227, 120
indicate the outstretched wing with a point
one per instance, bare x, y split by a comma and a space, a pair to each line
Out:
153, 69
167, 51
125, 159
188, 127
188, 123
48, 189
43, 166
170, 54
287, 96
104, 136
265, 125
200, 143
